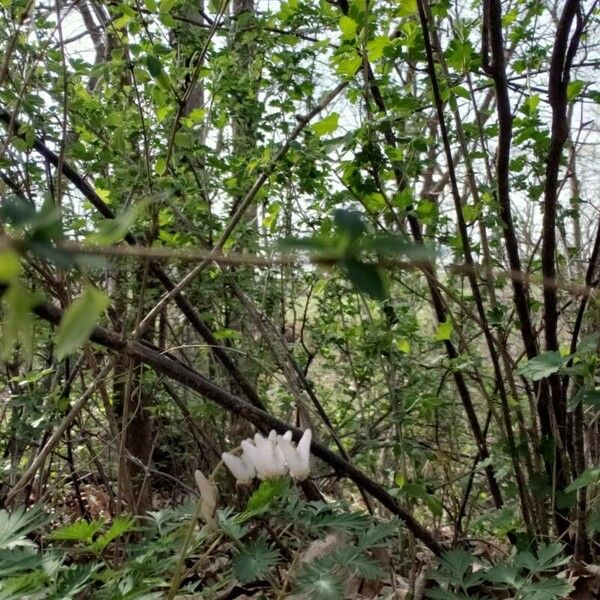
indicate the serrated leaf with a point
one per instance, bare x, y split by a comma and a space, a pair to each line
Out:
457, 562
74, 581
79, 320
348, 27
366, 278
574, 88
228, 524
543, 365
587, 478
254, 561
15, 526
546, 589
317, 582
316, 517
268, 491
349, 66
376, 535
79, 531
377, 46
154, 65
350, 559
443, 331
17, 560
505, 574
408, 7
435, 505
118, 527
550, 556
327, 125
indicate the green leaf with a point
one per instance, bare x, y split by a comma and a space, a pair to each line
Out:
161, 166
543, 365
443, 331
377, 535
350, 559
267, 492
154, 65
111, 231
574, 88
326, 125
270, 220
587, 478
118, 527
350, 223
377, 46
470, 212
457, 563
318, 582
348, 27
349, 66
408, 8
459, 55
547, 589
435, 505
229, 524
366, 278
122, 22
589, 397
318, 517
79, 321
10, 266
79, 531
17, 321
18, 560
15, 526
254, 561
551, 556
403, 345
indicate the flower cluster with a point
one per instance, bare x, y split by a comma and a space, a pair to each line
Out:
271, 457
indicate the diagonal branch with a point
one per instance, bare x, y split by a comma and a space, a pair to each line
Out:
193, 380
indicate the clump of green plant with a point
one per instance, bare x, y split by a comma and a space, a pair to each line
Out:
524, 576
165, 553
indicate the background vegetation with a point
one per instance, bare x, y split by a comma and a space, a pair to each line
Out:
376, 220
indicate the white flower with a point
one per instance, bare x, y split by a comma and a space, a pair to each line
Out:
297, 458
209, 496
264, 454
241, 468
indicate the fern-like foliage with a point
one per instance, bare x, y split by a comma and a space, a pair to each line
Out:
525, 576
315, 517
254, 561
16, 526
318, 582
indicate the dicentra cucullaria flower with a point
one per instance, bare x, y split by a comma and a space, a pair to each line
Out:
209, 496
241, 468
271, 457
297, 457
